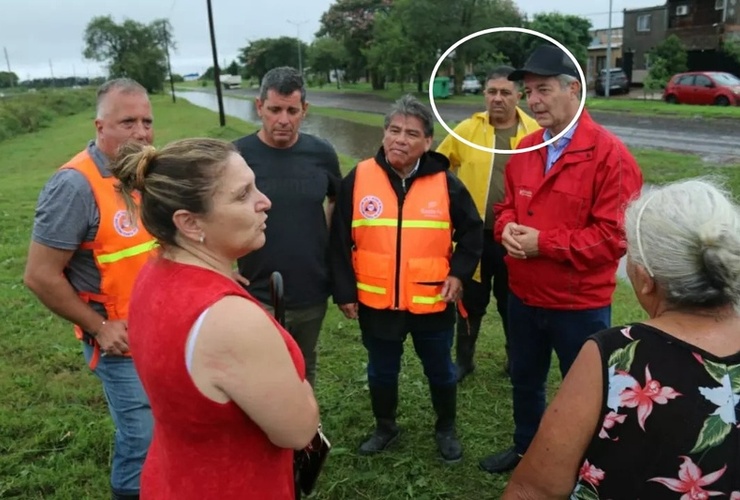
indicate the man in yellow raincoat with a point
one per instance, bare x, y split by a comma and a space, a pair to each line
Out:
501, 126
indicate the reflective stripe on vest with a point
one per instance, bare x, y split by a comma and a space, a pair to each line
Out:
126, 252
415, 255
120, 249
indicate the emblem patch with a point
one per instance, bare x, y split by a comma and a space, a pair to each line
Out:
371, 207
122, 224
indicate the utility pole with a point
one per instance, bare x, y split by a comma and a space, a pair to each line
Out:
166, 38
51, 68
216, 77
298, 39
607, 81
7, 61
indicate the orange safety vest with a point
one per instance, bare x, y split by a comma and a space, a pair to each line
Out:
401, 260
119, 249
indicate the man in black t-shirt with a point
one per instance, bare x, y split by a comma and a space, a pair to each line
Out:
300, 174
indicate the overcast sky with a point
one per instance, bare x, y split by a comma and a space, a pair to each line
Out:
45, 36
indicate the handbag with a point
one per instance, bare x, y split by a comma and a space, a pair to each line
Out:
308, 462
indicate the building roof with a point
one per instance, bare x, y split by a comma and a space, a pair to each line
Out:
645, 9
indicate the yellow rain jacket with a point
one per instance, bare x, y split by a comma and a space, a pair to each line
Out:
473, 166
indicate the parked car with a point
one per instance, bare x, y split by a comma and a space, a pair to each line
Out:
471, 85
703, 87
618, 82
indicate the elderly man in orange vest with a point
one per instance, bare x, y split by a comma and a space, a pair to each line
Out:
84, 256
394, 267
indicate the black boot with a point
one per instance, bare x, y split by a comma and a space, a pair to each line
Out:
444, 400
467, 335
384, 401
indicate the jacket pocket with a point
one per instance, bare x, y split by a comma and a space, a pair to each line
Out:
373, 273
423, 287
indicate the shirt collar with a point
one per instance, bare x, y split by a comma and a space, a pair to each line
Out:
413, 171
566, 138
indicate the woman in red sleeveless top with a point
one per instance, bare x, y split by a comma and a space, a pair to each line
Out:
226, 382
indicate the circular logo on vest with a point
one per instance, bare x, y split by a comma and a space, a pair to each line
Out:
122, 224
371, 207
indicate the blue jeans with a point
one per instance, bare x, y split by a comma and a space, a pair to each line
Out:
533, 334
433, 349
129, 408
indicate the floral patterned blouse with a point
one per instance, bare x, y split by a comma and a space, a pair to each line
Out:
669, 427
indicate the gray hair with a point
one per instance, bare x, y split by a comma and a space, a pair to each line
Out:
284, 80
566, 80
687, 236
409, 105
124, 85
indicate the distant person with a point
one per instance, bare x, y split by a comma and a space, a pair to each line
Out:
501, 126
651, 409
395, 270
226, 382
84, 256
300, 174
561, 225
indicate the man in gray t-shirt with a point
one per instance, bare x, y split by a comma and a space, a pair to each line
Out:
62, 272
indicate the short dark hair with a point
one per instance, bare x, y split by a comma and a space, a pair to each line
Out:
284, 80
502, 71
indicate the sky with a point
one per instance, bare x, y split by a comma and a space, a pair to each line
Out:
45, 37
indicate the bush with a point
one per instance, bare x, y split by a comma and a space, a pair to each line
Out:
25, 113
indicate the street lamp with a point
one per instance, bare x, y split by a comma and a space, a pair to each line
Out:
607, 81
298, 39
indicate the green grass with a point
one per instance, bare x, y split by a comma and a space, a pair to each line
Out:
649, 107
55, 433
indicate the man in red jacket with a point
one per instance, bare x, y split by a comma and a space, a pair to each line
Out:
561, 225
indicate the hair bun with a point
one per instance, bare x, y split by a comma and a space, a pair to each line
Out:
147, 155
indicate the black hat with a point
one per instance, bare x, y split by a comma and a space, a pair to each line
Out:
547, 60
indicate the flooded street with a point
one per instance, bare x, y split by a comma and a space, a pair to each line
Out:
714, 140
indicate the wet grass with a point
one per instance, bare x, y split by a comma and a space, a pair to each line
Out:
55, 433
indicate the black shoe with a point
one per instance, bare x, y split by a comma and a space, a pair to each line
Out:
500, 462
380, 440
449, 446
116, 496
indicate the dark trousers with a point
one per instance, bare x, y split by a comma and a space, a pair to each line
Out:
433, 349
534, 333
494, 277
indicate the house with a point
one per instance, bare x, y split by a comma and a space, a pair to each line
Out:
597, 52
643, 29
702, 26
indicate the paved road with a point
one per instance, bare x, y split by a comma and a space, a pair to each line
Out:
713, 139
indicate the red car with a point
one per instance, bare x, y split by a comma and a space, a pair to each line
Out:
703, 87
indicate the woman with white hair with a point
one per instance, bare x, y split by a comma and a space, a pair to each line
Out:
651, 409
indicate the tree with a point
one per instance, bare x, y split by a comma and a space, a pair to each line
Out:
570, 30
8, 79
262, 55
666, 59
233, 68
408, 39
131, 49
351, 22
327, 54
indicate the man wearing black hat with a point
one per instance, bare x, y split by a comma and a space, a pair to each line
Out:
561, 225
